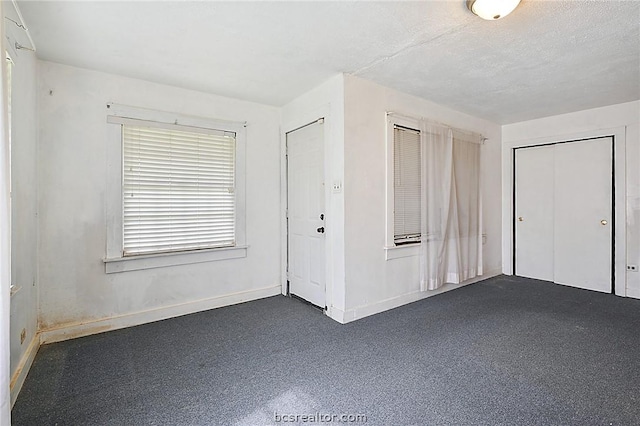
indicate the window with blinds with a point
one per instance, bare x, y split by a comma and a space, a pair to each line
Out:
178, 188
406, 184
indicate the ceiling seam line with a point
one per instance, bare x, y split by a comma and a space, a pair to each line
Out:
411, 46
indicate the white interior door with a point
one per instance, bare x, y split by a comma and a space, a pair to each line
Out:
534, 212
305, 191
563, 213
583, 214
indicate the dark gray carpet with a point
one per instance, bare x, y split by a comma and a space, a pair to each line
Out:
507, 351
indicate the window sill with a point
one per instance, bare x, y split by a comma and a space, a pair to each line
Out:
136, 263
406, 250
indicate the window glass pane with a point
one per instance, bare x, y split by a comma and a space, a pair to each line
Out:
407, 182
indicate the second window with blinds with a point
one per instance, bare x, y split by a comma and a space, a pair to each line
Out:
407, 177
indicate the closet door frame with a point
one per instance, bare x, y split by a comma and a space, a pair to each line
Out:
619, 228
611, 183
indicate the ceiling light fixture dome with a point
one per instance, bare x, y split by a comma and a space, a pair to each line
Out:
492, 9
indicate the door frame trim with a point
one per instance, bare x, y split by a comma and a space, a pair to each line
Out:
619, 197
613, 197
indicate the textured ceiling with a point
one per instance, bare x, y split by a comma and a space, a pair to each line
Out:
548, 57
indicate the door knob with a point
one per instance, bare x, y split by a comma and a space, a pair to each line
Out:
520, 219
603, 222
320, 230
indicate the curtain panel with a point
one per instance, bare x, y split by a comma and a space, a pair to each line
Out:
451, 222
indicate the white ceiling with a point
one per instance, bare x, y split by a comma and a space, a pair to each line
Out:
548, 57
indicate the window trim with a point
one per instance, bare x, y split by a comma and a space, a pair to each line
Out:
392, 250
114, 260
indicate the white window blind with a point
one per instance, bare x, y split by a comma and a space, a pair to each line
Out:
407, 182
178, 189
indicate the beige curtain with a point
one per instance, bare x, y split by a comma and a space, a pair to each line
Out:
451, 237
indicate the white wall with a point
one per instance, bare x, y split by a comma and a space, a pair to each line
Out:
75, 292
326, 100
584, 123
24, 132
5, 267
373, 283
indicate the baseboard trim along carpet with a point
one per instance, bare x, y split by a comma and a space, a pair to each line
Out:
17, 380
73, 330
633, 292
363, 311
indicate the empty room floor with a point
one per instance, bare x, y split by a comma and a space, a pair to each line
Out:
503, 351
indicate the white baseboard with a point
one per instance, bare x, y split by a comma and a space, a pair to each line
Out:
359, 312
73, 330
18, 377
336, 314
633, 292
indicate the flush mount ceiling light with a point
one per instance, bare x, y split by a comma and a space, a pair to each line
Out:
492, 9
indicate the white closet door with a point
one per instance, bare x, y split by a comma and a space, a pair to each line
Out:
534, 212
583, 214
